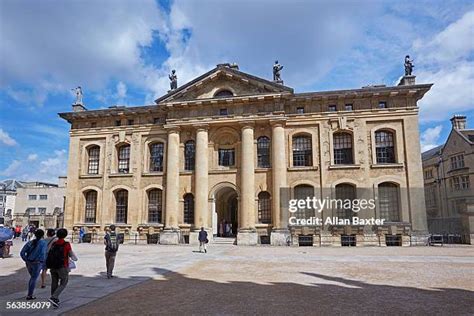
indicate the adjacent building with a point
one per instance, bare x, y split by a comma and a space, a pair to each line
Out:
7, 199
40, 204
449, 176
230, 147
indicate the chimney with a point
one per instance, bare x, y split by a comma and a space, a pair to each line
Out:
459, 122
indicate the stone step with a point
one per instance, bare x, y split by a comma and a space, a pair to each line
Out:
223, 241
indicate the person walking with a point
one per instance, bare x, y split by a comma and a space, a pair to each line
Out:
33, 254
58, 261
50, 239
81, 234
24, 233
111, 243
203, 240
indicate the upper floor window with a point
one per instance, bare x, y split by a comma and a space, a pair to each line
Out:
300, 110
332, 108
42, 210
223, 94
264, 208
226, 157
349, 107
457, 162
156, 156
189, 155
124, 159
459, 183
118, 123
32, 197
156, 120
93, 124
302, 151
93, 163
188, 212
384, 147
263, 152
223, 112
382, 105
43, 197
131, 122
428, 173
343, 149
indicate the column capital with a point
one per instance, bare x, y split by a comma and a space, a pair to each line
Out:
278, 122
201, 127
247, 124
172, 128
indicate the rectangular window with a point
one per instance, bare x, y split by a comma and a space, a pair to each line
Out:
124, 159
93, 124
130, 122
300, 110
156, 120
227, 157
94, 155
382, 105
118, 123
332, 108
43, 197
42, 210
429, 174
32, 197
223, 112
349, 107
30, 210
464, 183
457, 162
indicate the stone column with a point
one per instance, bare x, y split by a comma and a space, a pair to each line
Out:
170, 234
247, 234
201, 181
279, 180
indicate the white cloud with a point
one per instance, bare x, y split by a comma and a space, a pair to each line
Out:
121, 91
6, 139
447, 61
12, 169
430, 137
32, 157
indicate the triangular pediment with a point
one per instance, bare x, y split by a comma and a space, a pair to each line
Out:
223, 78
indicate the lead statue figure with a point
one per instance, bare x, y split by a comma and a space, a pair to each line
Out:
276, 71
173, 80
408, 66
78, 91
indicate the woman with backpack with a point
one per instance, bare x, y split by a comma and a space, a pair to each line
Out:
34, 255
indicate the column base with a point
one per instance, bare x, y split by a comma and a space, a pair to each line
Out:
280, 237
247, 237
169, 237
194, 236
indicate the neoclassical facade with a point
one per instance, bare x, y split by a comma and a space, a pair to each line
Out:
226, 147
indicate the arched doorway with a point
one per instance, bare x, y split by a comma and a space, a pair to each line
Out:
226, 208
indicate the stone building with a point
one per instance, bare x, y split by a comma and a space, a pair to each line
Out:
7, 199
226, 146
448, 174
41, 204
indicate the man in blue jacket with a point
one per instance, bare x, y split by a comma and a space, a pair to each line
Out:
203, 240
34, 255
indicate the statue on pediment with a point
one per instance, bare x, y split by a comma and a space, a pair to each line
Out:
173, 80
276, 72
78, 92
408, 66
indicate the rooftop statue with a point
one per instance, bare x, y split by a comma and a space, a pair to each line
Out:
408, 66
276, 71
78, 92
173, 80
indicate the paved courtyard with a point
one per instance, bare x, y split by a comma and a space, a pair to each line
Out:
260, 280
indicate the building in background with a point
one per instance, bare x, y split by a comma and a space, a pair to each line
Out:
8, 190
225, 147
40, 203
449, 177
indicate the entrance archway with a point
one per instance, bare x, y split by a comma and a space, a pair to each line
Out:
227, 210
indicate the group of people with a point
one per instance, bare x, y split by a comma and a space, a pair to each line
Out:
225, 229
55, 254
27, 232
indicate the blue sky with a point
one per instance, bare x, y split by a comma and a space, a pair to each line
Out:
120, 52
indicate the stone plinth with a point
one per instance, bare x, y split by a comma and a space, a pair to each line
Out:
169, 237
407, 81
279, 237
417, 239
247, 238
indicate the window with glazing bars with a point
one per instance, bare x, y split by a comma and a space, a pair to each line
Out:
389, 202
343, 149
264, 208
121, 205
156, 156
188, 214
189, 155
263, 152
94, 154
344, 191
302, 151
155, 202
226, 157
302, 192
124, 159
384, 147
91, 207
